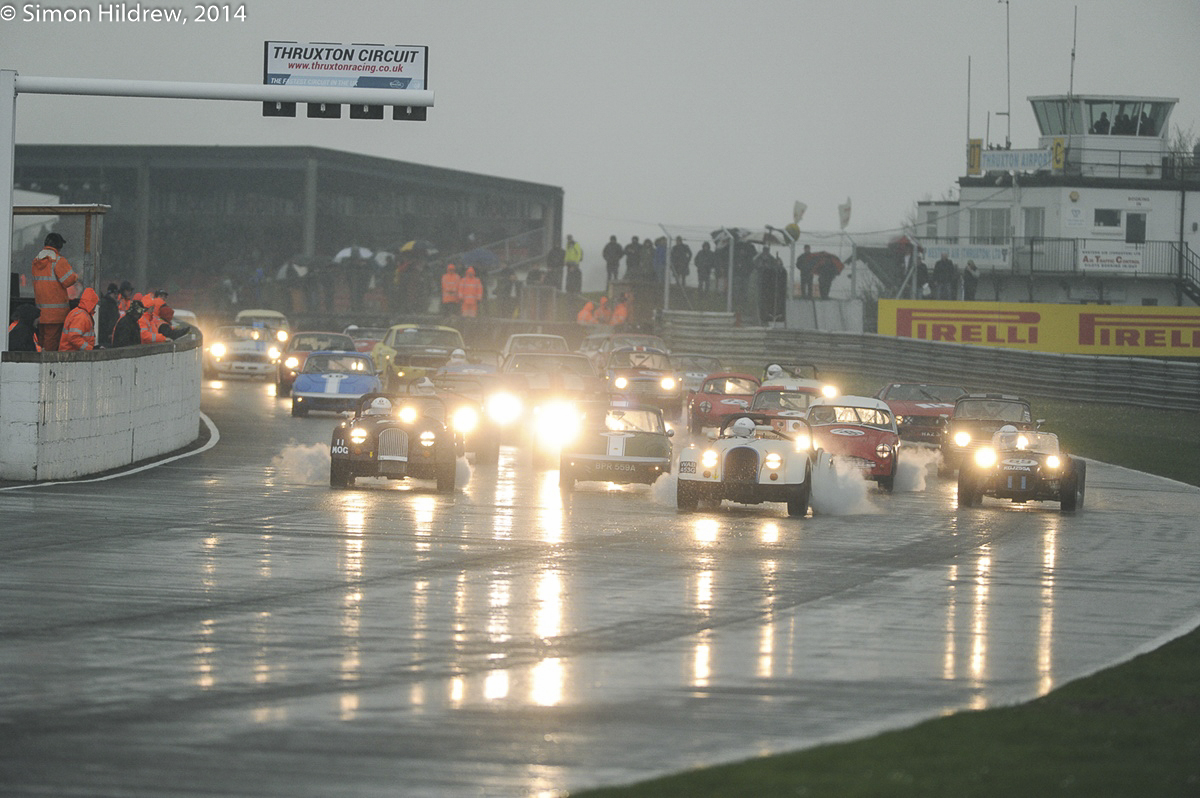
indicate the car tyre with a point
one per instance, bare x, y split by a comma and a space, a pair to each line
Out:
340, 475
299, 410
566, 478
687, 495
797, 504
1072, 489
970, 492
445, 477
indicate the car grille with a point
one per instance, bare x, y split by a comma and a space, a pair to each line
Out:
741, 465
245, 358
393, 444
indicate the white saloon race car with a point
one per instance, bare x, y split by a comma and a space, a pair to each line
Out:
750, 462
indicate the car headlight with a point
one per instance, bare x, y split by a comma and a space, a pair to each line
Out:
899, 420
962, 438
427, 438
773, 460
292, 362
620, 383
803, 442
829, 391
274, 352
1022, 442
709, 458
503, 408
218, 349
281, 336
465, 420
1052, 462
557, 424
668, 383
883, 450
985, 457
408, 414
358, 435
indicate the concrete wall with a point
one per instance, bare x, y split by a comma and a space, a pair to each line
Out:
65, 415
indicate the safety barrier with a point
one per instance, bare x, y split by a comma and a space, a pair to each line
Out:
70, 414
1144, 382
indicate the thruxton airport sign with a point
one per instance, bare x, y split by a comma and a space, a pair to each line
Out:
1064, 329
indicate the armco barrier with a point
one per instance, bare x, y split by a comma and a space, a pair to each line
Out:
65, 415
1145, 382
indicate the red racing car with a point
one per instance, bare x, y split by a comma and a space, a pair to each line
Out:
723, 394
860, 430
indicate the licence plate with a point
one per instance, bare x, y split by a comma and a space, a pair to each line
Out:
615, 467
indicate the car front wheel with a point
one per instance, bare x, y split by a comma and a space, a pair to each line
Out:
797, 504
687, 495
340, 475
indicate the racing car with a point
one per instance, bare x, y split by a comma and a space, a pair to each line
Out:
414, 350
616, 442
240, 350
921, 409
297, 350
858, 430
333, 381
724, 394
975, 419
1022, 466
395, 436
486, 409
645, 375
749, 463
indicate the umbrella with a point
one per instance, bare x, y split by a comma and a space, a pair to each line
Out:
346, 254
766, 236
421, 247
821, 258
480, 257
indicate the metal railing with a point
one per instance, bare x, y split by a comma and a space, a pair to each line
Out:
1144, 382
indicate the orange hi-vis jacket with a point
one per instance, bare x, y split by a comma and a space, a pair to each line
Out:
586, 314
603, 311
52, 275
79, 332
150, 322
620, 314
470, 292
450, 282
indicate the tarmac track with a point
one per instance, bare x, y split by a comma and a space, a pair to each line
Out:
225, 624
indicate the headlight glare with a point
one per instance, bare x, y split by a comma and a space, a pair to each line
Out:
829, 391
274, 352
803, 442
985, 457
503, 408
465, 420
292, 362
620, 383
1053, 462
773, 460
358, 435
708, 459
668, 383
962, 438
408, 414
427, 438
218, 349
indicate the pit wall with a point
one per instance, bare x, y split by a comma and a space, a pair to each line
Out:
65, 415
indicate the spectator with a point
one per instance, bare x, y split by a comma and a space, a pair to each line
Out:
603, 311
79, 334
574, 254
470, 293
52, 276
620, 313
574, 283
681, 259
450, 299
659, 258
586, 314
633, 258
612, 254
23, 332
128, 330
970, 280
826, 269
126, 296
806, 263
945, 275
109, 313
507, 292
706, 261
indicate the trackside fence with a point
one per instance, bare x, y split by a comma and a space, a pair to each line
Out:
1144, 382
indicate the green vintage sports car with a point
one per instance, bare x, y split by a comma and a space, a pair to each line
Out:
616, 442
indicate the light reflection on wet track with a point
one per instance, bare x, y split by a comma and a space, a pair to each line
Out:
228, 623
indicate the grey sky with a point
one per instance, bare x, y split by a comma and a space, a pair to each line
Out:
681, 112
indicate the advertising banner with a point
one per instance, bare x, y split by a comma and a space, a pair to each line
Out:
1064, 329
359, 66
992, 256
1016, 160
1109, 258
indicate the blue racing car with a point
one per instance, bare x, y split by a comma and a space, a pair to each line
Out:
333, 381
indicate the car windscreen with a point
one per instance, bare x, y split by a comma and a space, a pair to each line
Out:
241, 334
549, 364
620, 419
655, 361
864, 416
338, 364
924, 393
991, 410
1026, 440
414, 336
695, 363
730, 386
768, 401
306, 342
538, 344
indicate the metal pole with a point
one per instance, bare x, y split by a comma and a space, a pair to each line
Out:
8, 144
667, 271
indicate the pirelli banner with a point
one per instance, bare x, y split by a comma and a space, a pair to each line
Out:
1064, 329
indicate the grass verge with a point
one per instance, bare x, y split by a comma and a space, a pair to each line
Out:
1129, 731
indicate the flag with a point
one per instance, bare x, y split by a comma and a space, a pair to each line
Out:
844, 213
798, 211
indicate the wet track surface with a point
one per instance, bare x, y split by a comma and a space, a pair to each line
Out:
225, 624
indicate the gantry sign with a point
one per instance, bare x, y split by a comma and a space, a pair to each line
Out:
361, 66
409, 101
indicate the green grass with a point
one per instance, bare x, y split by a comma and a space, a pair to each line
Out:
1130, 731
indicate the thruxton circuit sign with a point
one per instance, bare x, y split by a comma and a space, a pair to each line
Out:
363, 66
1065, 329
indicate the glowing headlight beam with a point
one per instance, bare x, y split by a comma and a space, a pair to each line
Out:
985, 457
962, 438
465, 420
358, 435
408, 414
